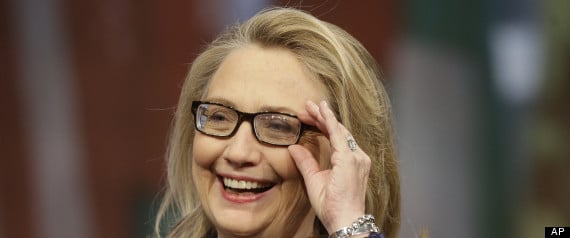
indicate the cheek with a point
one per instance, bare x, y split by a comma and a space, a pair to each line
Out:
282, 163
294, 202
319, 146
205, 150
204, 154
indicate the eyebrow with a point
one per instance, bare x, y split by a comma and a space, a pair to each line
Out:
263, 108
221, 101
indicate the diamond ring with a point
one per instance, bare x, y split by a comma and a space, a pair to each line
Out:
351, 143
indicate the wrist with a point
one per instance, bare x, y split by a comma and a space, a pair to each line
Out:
342, 221
360, 227
360, 236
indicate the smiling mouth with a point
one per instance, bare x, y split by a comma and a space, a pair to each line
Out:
242, 186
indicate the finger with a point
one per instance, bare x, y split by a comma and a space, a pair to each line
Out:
314, 112
337, 133
307, 119
306, 163
310, 119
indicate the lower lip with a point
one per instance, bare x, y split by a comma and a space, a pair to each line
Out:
241, 198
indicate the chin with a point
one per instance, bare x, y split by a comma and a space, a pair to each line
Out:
264, 217
242, 222
237, 227
245, 213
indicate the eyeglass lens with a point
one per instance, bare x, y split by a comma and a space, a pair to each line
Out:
272, 128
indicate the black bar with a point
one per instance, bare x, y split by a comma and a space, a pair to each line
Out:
557, 232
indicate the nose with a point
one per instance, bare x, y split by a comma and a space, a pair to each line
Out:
242, 149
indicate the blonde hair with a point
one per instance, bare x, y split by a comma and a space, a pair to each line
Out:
352, 80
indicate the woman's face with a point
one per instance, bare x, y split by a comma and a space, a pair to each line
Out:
254, 79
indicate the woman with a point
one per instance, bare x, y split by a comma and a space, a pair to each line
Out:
264, 137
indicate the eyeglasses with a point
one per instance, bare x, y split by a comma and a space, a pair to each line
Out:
274, 128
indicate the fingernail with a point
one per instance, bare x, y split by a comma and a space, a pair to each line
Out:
314, 105
325, 104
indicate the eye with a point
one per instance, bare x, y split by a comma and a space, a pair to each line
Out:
275, 123
279, 125
218, 116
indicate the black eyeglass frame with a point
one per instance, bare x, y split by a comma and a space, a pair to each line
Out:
242, 116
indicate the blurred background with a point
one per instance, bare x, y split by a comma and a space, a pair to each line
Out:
480, 92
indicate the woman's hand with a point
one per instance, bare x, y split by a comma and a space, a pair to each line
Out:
337, 195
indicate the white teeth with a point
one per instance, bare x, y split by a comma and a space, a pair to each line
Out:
242, 184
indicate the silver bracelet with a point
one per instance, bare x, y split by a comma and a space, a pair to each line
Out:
362, 225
